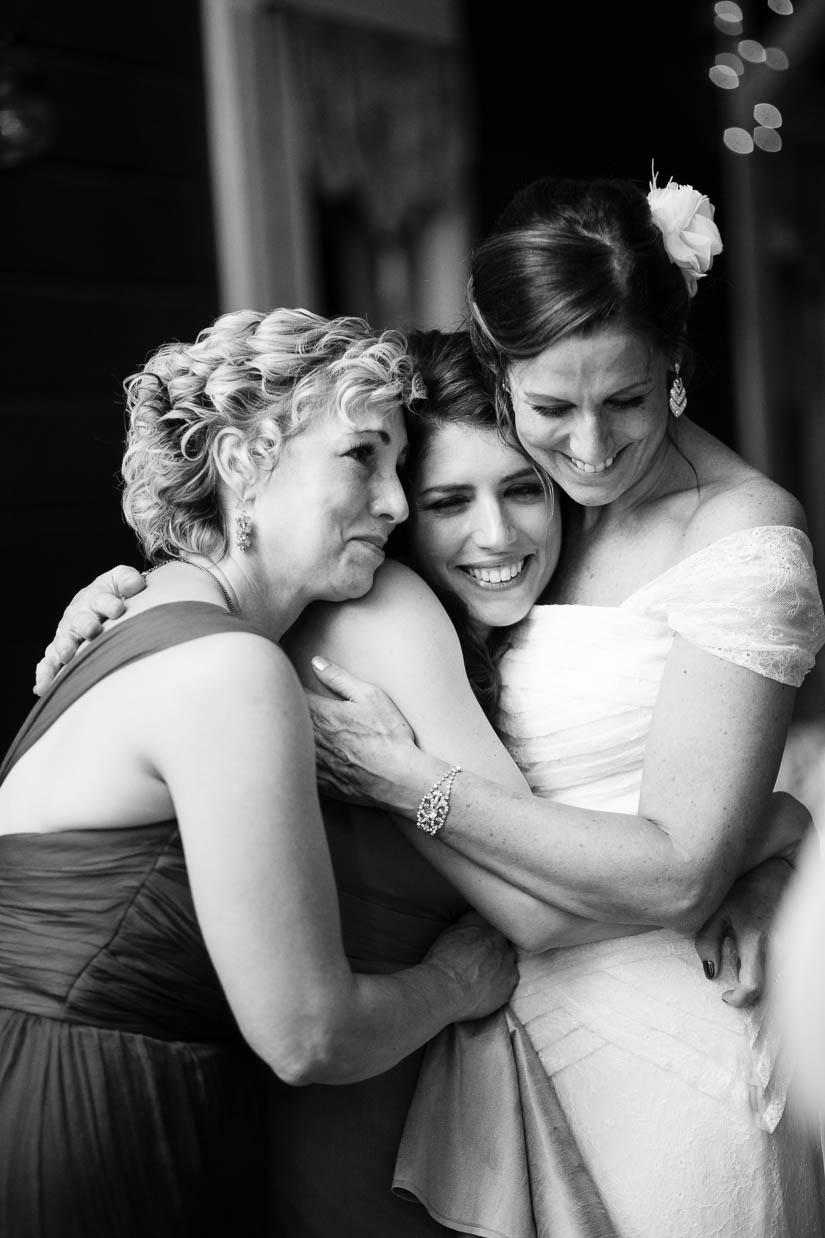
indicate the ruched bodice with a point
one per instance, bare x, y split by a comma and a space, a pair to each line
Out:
98, 927
128, 1101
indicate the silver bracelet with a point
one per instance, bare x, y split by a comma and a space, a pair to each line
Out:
433, 809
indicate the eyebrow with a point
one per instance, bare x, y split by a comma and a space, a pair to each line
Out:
533, 396
449, 487
383, 434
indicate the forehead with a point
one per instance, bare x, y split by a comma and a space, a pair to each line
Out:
463, 454
387, 421
616, 356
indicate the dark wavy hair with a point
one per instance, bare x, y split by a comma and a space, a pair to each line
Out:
456, 393
570, 257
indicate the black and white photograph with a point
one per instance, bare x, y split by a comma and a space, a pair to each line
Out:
413, 755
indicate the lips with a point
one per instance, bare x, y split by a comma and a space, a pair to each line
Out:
376, 543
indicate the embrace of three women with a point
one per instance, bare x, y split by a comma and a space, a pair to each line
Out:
553, 717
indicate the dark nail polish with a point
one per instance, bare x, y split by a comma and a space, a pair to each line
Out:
709, 968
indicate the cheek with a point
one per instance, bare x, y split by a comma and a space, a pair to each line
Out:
547, 536
643, 423
535, 433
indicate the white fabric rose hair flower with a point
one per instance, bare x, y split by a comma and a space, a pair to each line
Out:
685, 219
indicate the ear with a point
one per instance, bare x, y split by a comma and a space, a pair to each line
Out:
236, 468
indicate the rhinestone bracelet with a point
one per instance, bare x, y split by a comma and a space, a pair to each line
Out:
433, 809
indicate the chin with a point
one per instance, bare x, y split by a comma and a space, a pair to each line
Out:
501, 615
358, 586
506, 619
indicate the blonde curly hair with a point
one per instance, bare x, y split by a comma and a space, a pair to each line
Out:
264, 375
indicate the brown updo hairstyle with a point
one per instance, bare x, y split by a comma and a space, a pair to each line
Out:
457, 393
570, 257
264, 375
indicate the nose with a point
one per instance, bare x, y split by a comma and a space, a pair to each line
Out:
589, 437
494, 530
388, 501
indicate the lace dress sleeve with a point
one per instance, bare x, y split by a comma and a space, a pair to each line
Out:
750, 598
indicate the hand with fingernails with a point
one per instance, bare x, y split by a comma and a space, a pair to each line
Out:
84, 617
744, 921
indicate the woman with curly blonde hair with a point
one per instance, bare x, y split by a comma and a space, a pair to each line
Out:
168, 917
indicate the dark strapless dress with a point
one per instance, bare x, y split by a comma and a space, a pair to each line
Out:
129, 1104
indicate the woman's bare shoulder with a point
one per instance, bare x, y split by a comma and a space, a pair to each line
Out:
398, 617
398, 595
733, 495
224, 670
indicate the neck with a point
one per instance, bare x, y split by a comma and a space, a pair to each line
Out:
257, 602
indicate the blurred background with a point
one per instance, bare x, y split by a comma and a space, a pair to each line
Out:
161, 163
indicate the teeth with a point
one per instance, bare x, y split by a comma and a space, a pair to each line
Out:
496, 575
584, 467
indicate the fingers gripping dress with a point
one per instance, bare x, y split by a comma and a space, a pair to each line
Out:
675, 1099
128, 1100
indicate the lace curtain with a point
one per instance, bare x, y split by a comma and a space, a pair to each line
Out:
386, 119
386, 138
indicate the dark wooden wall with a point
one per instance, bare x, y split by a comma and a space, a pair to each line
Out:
108, 251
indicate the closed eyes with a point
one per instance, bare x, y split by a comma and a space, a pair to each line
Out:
562, 410
529, 492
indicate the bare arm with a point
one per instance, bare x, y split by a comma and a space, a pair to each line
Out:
243, 787
401, 637
711, 761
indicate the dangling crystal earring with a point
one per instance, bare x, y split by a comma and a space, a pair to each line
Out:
243, 528
678, 396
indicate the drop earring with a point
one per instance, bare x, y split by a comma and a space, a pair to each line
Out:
677, 398
243, 527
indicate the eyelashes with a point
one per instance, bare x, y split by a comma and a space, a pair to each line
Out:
529, 493
563, 410
361, 453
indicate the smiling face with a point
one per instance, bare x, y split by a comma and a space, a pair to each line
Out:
592, 411
323, 515
481, 524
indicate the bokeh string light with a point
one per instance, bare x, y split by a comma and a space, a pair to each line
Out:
775, 58
752, 51
729, 69
728, 17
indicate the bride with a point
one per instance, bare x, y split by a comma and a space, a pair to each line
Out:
646, 700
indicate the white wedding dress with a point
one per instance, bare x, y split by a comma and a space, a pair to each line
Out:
676, 1099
